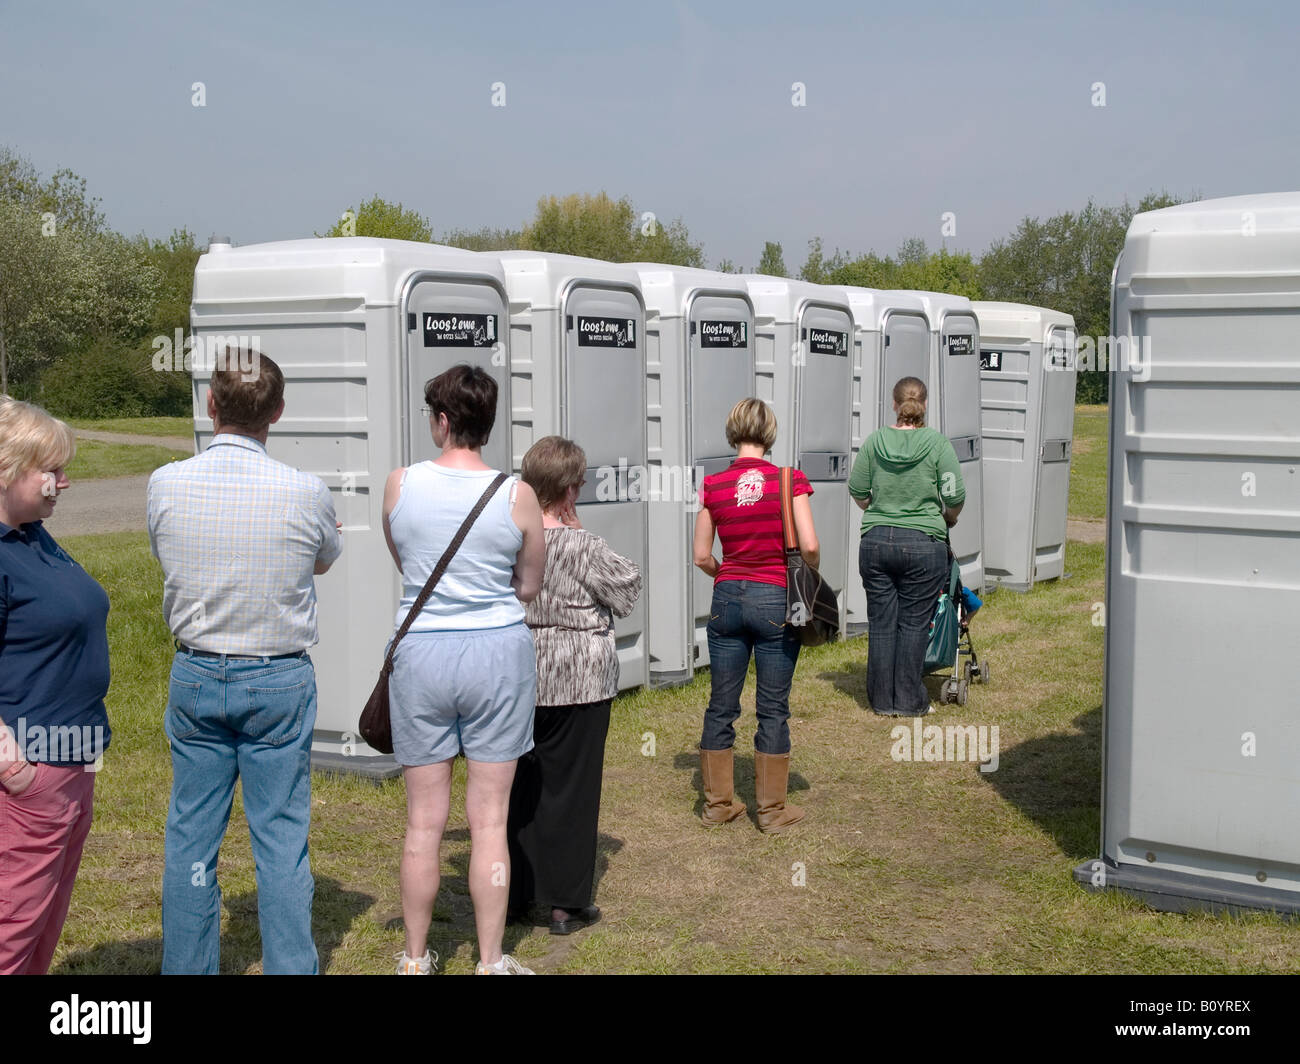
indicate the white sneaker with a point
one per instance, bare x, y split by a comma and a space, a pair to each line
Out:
508, 966
416, 966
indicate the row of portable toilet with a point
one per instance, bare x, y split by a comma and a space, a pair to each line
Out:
640, 364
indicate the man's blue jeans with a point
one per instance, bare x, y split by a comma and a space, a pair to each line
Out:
251, 720
749, 617
903, 571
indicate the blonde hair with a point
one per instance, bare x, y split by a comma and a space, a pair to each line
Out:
910, 395
551, 467
31, 439
751, 421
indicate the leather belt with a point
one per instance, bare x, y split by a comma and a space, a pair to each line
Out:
239, 657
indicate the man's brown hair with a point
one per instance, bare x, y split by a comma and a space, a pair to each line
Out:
551, 467
246, 400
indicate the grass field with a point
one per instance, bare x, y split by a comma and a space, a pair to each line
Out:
1088, 463
138, 426
899, 867
100, 461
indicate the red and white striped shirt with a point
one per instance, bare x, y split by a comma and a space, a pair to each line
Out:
744, 501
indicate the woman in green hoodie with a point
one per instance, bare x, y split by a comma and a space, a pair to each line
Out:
908, 482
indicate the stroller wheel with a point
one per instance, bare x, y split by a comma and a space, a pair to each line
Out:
961, 693
984, 672
947, 692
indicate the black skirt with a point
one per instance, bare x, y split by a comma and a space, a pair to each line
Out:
555, 808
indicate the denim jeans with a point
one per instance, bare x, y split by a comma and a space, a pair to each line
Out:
749, 617
251, 720
903, 571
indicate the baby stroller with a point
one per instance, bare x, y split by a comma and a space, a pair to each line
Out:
950, 638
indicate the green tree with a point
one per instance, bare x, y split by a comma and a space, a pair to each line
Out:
379, 218
63, 195
912, 266
817, 268
602, 228
727, 266
772, 263
175, 259
485, 239
1065, 263
54, 285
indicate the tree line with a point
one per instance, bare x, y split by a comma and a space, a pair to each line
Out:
83, 308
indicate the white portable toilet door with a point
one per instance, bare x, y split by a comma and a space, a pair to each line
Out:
720, 364
905, 352
449, 322
959, 420
824, 432
604, 413
1056, 418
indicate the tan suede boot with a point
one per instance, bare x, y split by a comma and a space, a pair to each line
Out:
771, 778
720, 805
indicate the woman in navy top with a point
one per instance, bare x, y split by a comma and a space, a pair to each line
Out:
54, 674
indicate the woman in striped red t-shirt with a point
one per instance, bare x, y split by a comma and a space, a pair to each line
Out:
742, 504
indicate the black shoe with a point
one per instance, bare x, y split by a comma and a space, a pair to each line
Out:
577, 920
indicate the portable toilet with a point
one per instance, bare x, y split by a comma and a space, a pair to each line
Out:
1027, 374
357, 325
577, 359
891, 340
699, 364
955, 411
803, 337
1202, 603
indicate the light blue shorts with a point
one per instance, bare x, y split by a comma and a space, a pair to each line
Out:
471, 691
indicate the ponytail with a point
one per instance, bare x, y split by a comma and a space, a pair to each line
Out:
910, 395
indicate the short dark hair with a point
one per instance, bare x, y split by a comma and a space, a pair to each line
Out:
468, 396
246, 399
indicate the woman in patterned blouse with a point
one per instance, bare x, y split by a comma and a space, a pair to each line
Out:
555, 801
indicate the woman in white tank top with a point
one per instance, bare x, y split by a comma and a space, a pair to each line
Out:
464, 677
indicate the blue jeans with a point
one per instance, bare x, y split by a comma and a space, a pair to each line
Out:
903, 572
231, 719
749, 617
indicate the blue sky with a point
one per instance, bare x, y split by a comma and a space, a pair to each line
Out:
911, 111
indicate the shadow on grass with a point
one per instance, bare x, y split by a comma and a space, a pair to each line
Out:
453, 913
1055, 780
333, 912
851, 680
744, 774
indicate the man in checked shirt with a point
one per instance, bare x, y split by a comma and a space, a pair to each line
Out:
240, 537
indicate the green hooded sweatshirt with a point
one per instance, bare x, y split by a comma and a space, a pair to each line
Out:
911, 476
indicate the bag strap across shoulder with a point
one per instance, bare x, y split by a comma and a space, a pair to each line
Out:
788, 530
423, 597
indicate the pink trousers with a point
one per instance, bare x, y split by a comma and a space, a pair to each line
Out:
42, 832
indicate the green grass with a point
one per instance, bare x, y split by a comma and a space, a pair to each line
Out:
138, 426
902, 866
1088, 463
99, 461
